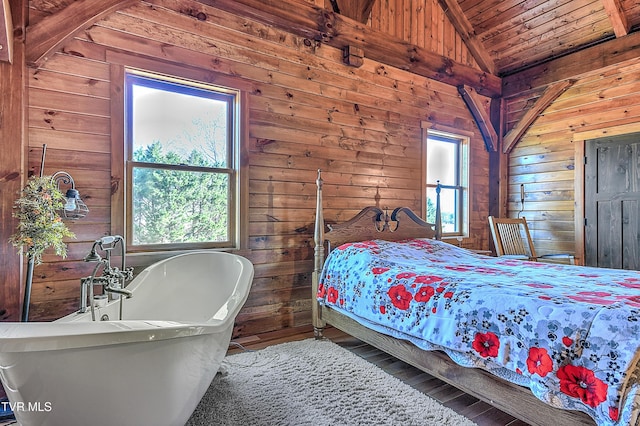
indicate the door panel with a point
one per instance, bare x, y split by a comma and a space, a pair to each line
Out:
631, 234
612, 199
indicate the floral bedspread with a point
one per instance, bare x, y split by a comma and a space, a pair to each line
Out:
569, 333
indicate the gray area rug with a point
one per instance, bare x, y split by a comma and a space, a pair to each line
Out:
312, 382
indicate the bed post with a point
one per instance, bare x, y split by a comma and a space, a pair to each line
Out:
318, 261
438, 212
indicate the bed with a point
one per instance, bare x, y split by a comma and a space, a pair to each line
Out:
550, 344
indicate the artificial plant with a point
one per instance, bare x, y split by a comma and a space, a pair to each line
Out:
39, 227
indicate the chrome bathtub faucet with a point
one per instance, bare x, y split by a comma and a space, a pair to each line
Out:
113, 279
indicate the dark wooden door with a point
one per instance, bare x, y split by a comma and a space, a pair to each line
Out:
612, 202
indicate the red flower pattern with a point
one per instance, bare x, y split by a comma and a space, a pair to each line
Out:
321, 290
404, 286
613, 413
486, 344
400, 297
332, 295
580, 382
372, 245
404, 275
591, 298
539, 362
538, 285
424, 294
427, 279
630, 283
472, 268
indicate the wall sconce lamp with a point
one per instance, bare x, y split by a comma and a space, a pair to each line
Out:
74, 207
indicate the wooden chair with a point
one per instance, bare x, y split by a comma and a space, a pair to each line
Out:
512, 239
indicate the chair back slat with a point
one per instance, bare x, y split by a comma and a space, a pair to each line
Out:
511, 237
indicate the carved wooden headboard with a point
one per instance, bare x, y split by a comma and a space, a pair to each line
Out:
369, 224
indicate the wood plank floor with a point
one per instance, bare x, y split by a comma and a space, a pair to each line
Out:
478, 411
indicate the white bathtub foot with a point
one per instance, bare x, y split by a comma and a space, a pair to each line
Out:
223, 370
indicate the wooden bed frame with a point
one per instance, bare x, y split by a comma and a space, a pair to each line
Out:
373, 223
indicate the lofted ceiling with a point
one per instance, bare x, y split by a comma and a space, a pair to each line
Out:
503, 36
506, 36
517, 34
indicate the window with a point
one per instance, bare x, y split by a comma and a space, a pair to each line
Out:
447, 163
181, 163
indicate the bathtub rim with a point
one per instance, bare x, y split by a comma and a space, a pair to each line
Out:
32, 337
58, 335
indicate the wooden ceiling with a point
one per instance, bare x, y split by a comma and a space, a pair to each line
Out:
517, 34
504, 36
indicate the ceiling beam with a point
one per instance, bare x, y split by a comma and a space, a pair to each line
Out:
551, 94
617, 17
302, 19
334, 6
610, 53
308, 21
480, 108
358, 10
53, 31
462, 25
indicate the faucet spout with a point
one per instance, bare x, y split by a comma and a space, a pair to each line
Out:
118, 290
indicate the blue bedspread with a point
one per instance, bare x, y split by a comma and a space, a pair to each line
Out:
569, 333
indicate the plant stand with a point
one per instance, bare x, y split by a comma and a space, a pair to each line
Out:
27, 289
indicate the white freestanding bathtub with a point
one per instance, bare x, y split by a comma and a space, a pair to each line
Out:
150, 368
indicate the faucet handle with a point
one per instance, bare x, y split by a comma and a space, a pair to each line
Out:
128, 273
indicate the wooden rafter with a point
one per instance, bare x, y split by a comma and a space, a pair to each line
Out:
550, 94
462, 25
334, 6
306, 20
6, 35
358, 10
53, 31
480, 110
302, 19
617, 17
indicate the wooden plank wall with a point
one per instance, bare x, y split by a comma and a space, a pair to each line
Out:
422, 23
544, 158
307, 110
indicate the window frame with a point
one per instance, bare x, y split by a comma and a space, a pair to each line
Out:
462, 177
121, 170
